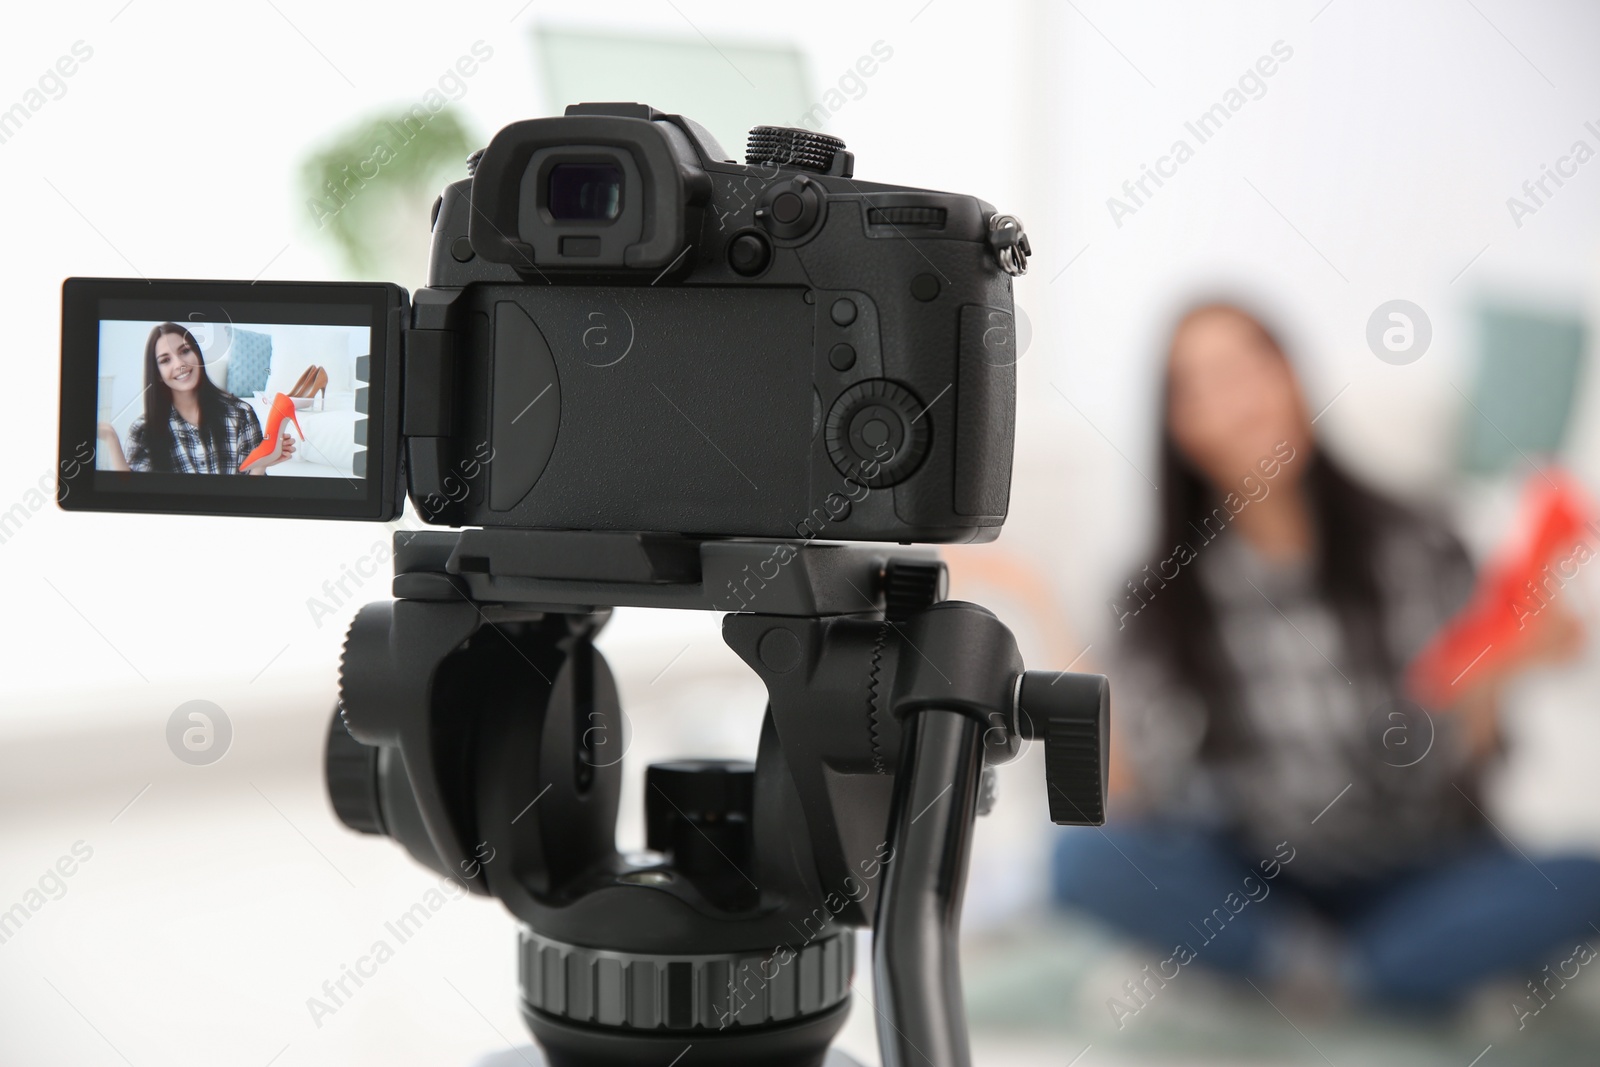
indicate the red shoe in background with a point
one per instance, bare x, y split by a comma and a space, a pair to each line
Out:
1555, 535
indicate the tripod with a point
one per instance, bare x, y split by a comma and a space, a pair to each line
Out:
474, 715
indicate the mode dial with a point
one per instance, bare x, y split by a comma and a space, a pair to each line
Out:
789, 146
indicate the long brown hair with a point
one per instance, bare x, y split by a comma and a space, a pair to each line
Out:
1178, 627
158, 404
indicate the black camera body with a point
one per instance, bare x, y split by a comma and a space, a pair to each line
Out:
766, 349
626, 330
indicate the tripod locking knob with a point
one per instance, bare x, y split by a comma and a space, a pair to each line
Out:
1070, 713
698, 812
910, 585
351, 769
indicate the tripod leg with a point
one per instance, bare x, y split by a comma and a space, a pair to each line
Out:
916, 963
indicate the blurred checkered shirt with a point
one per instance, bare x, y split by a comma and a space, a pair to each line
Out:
1327, 771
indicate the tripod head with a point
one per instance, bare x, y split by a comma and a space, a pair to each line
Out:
473, 716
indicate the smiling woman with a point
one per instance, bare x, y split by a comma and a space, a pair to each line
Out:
189, 425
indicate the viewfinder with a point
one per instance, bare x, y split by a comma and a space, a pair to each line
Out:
588, 192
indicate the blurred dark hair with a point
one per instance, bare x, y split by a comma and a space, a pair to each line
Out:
158, 403
1178, 627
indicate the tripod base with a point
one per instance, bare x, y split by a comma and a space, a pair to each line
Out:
800, 1044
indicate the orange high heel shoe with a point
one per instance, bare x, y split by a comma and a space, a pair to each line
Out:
282, 408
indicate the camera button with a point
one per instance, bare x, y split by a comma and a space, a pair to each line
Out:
875, 432
749, 254
461, 250
787, 208
842, 357
791, 210
843, 311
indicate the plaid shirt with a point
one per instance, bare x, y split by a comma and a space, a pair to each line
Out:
191, 453
1321, 718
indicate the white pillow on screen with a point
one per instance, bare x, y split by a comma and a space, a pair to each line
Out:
284, 373
217, 366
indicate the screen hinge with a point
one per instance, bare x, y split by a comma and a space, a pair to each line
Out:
430, 383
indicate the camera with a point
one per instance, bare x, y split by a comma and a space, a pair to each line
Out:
623, 330
650, 376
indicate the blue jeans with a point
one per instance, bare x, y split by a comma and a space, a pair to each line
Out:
1417, 940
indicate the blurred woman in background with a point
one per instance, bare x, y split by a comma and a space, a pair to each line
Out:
1285, 813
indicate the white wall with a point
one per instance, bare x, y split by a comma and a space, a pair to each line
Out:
1390, 140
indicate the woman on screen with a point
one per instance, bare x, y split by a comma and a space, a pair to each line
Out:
189, 426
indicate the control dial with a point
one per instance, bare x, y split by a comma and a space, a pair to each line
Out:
876, 434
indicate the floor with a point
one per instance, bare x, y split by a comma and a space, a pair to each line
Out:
1047, 986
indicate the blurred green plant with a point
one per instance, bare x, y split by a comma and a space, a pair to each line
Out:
368, 190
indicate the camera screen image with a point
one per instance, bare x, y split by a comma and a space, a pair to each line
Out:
216, 397
204, 398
